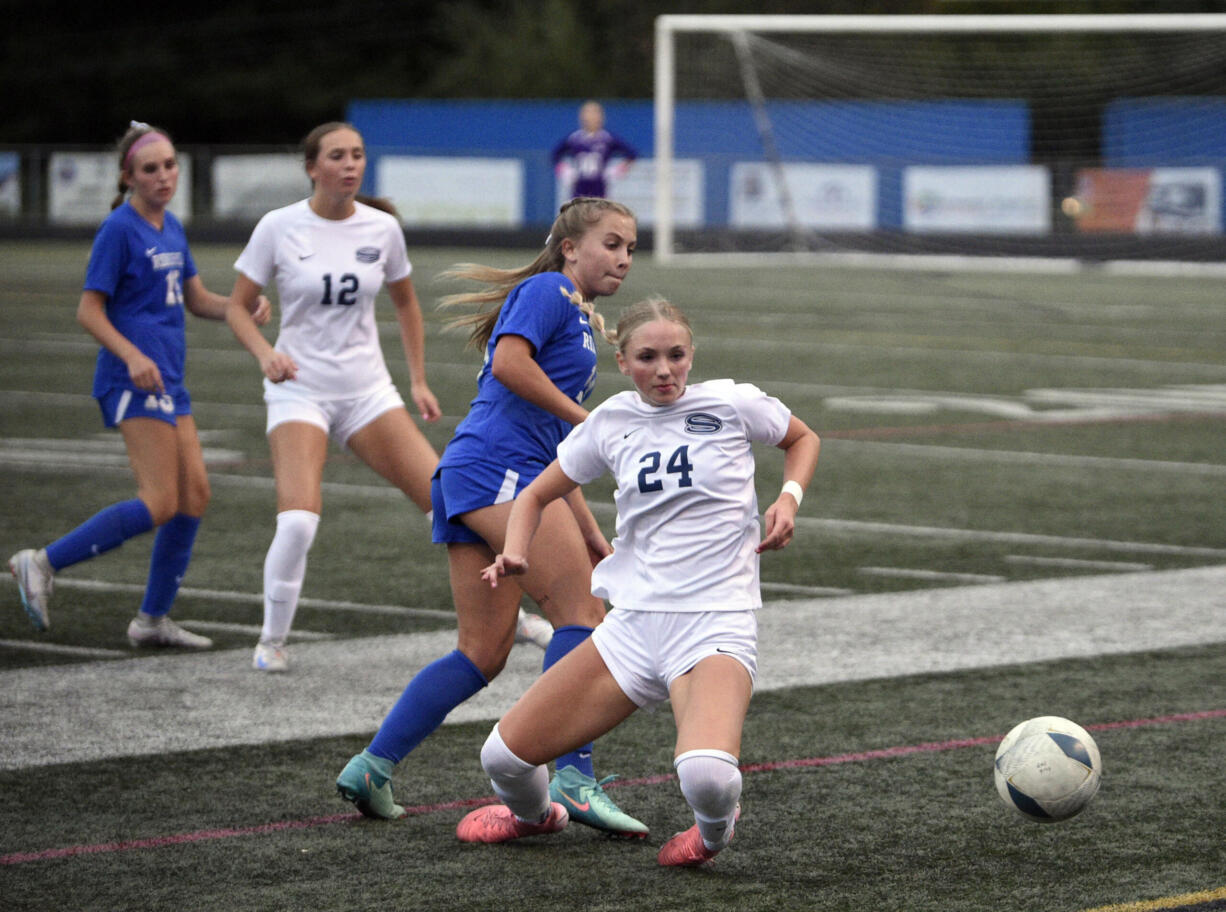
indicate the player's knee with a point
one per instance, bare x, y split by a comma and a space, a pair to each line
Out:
710, 781
500, 762
162, 504
297, 529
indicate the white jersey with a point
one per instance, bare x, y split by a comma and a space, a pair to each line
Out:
687, 514
328, 274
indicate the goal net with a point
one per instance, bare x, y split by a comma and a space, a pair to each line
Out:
986, 139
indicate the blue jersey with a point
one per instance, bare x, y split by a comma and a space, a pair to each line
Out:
141, 270
591, 154
500, 426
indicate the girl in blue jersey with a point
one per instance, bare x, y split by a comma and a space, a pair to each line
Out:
682, 578
140, 278
540, 365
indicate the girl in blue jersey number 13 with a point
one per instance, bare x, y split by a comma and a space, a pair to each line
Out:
682, 578
140, 277
540, 365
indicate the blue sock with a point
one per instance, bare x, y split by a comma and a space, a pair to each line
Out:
434, 691
564, 640
172, 551
106, 529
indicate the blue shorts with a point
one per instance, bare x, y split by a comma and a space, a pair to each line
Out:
120, 403
459, 489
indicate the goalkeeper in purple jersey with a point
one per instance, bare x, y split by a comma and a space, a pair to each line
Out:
586, 157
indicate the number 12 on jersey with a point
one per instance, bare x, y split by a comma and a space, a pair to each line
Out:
347, 290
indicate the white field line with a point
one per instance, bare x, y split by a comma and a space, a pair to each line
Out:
92, 710
63, 649
830, 526
251, 629
255, 598
936, 576
1016, 457
1073, 563
794, 589
857, 527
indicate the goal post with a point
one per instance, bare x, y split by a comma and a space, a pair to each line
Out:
993, 137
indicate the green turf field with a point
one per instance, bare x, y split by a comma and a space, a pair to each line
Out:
1019, 511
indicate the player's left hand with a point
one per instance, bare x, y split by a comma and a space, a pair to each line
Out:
780, 524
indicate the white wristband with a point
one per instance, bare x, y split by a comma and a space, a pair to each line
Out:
793, 488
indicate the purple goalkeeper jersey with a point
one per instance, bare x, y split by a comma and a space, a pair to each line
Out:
590, 154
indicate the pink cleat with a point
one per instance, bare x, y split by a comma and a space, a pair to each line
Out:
496, 823
687, 850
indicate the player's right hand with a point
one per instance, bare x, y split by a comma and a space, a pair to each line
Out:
145, 374
279, 367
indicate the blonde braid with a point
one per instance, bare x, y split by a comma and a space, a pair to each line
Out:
588, 309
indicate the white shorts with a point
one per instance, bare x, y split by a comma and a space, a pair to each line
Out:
340, 418
647, 650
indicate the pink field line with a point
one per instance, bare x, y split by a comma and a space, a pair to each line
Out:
156, 842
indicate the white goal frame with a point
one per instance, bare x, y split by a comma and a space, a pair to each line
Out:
668, 26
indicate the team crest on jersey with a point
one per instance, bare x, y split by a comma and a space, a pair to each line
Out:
367, 254
702, 423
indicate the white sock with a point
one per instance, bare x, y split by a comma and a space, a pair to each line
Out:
523, 788
284, 571
711, 783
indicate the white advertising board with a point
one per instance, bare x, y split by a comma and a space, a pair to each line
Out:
247, 186
1182, 201
831, 197
985, 199
454, 192
81, 185
10, 184
636, 188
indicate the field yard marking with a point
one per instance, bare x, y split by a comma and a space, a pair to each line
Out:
1186, 900
252, 629
865, 756
64, 649
1073, 563
810, 591
861, 527
1026, 457
938, 576
255, 598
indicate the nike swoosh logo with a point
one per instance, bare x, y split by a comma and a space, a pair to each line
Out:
727, 652
150, 251
628, 433
304, 256
586, 806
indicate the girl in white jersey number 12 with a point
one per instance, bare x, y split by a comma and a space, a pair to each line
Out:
682, 578
326, 376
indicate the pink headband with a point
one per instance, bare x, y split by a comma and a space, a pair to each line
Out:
144, 140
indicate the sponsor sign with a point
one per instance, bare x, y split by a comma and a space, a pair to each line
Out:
635, 186
81, 185
831, 197
1148, 200
10, 184
247, 186
987, 199
454, 192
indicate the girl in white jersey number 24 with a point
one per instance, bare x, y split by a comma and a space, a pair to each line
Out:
682, 578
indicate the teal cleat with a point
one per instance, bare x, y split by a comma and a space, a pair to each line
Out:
366, 781
586, 802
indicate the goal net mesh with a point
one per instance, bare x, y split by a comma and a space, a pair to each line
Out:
1047, 144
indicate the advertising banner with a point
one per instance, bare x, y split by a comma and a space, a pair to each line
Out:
247, 186
987, 199
10, 184
1148, 201
81, 185
831, 197
454, 192
636, 188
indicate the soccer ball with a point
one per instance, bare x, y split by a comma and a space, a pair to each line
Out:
1047, 768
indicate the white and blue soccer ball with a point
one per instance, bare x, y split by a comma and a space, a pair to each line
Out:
1048, 768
